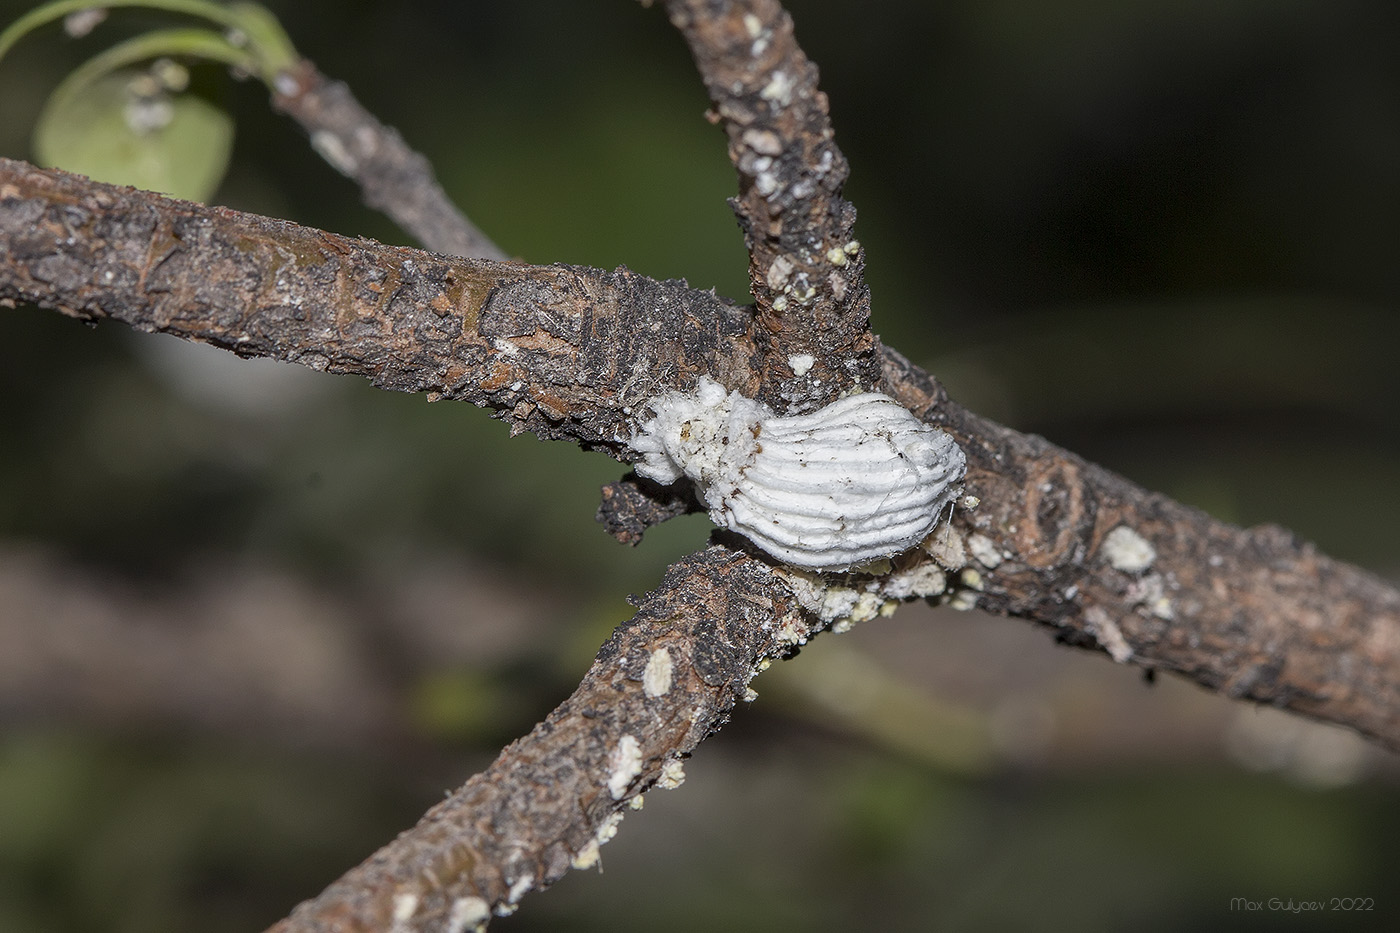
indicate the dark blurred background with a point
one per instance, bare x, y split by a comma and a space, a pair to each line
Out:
254, 620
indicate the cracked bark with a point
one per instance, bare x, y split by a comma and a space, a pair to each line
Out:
562, 351
1253, 613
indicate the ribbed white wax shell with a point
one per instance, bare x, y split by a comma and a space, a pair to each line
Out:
853, 482
856, 481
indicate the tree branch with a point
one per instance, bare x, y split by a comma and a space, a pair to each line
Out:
806, 269
393, 178
1252, 613
572, 353
562, 351
662, 683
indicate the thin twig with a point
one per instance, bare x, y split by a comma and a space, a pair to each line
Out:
1255, 614
806, 269
575, 354
631, 505
392, 177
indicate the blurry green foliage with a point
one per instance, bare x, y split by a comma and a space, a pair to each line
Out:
181, 148
129, 125
138, 835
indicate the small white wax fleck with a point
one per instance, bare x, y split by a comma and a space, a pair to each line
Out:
1127, 550
625, 763
656, 679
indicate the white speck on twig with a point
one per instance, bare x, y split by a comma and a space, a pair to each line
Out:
1128, 551
656, 679
624, 764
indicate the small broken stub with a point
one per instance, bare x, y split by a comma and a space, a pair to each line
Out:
856, 481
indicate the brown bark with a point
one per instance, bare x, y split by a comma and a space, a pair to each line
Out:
1253, 613
632, 505
806, 269
554, 796
571, 353
561, 351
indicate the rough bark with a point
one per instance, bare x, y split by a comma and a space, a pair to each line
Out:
571, 353
632, 505
1252, 613
564, 352
806, 269
662, 683
574, 354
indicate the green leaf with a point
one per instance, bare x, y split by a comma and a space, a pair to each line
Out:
269, 50
177, 144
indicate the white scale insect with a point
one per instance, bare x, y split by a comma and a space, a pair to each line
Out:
856, 481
